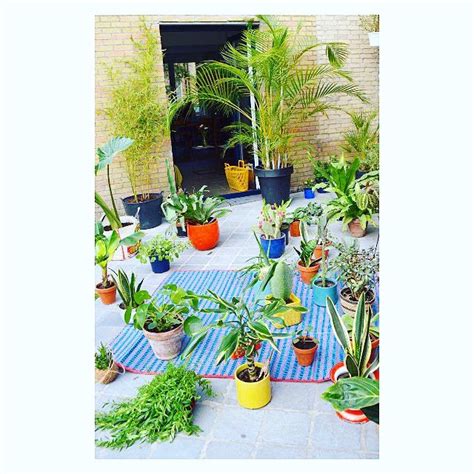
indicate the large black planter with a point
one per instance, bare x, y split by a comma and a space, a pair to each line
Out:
274, 184
149, 214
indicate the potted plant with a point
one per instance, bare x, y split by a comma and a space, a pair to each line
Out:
127, 288
371, 24
162, 322
160, 251
308, 188
307, 266
374, 333
307, 214
136, 111
124, 225
200, 214
355, 201
305, 347
320, 166
161, 409
322, 238
106, 369
280, 278
105, 248
269, 64
357, 352
246, 326
323, 287
175, 205
357, 269
269, 227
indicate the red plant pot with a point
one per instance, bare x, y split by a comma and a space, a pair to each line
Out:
351, 416
295, 229
203, 236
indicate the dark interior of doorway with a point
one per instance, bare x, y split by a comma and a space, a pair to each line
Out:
197, 137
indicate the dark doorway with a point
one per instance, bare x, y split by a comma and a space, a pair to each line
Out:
197, 137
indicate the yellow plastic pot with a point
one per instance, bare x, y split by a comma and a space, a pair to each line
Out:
290, 316
253, 395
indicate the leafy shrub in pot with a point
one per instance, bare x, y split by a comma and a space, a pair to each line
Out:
305, 347
160, 251
307, 265
127, 288
106, 369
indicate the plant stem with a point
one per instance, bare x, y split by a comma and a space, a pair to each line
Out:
252, 369
105, 276
112, 196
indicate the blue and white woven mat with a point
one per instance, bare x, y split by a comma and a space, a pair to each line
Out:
133, 352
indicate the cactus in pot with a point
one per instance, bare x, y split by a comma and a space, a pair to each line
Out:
282, 282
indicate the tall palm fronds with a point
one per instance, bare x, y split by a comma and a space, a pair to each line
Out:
268, 68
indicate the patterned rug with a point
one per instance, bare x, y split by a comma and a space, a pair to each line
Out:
133, 352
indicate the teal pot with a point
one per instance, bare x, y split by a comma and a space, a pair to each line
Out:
320, 293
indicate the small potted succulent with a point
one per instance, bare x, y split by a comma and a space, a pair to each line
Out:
371, 24
160, 251
305, 347
269, 227
280, 278
162, 322
357, 353
105, 248
247, 327
357, 269
201, 216
307, 265
308, 188
106, 370
127, 288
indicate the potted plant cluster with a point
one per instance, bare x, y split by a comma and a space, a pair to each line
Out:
246, 327
308, 188
105, 248
135, 111
357, 269
305, 347
269, 64
160, 251
162, 322
106, 370
307, 265
307, 214
269, 226
357, 350
123, 225
371, 24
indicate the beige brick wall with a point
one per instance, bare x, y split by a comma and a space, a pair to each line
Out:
112, 42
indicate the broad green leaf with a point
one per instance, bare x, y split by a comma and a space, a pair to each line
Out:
352, 393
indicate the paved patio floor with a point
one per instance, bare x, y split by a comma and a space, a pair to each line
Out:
295, 424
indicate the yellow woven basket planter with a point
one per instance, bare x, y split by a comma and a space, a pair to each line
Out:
237, 176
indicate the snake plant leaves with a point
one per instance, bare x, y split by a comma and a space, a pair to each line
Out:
352, 393
359, 325
338, 327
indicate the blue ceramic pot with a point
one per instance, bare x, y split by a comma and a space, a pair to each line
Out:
160, 266
274, 248
320, 293
309, 193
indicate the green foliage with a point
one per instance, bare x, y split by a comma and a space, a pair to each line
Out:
135, 109
324, 239
282, 282
271, 65
155, 316
271, 219
245, 326
103, 357
363, 141
307, 247
161, 248
373, 328
202, 209
308, 213
370, 23
356, 267
358, 347
127, 288
160, 410
175, 207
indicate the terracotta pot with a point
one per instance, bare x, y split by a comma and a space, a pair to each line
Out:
108, 375
351, 416
295, 229
349, 305
166, 345
107, 295
205, 236
356, 230
305, 357
308, 273
318, 252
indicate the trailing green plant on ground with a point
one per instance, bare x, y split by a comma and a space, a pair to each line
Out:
160, 410
161, 247
270, 64
103, 357
135, 110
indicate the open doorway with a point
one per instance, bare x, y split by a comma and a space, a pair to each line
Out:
197, 135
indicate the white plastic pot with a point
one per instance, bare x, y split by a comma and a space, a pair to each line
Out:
124, 252
374, 39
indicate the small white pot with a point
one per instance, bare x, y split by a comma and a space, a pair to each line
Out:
374, 39
124, 252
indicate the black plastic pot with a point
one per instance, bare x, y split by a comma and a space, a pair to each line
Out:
181, 232
274, 184
285, 229
149, 212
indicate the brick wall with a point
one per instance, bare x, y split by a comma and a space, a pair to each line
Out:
112, 41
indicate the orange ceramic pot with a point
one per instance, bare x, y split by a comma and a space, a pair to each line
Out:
203, 236
308, 273
305, 357
295, 229
107, 295
318, 252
